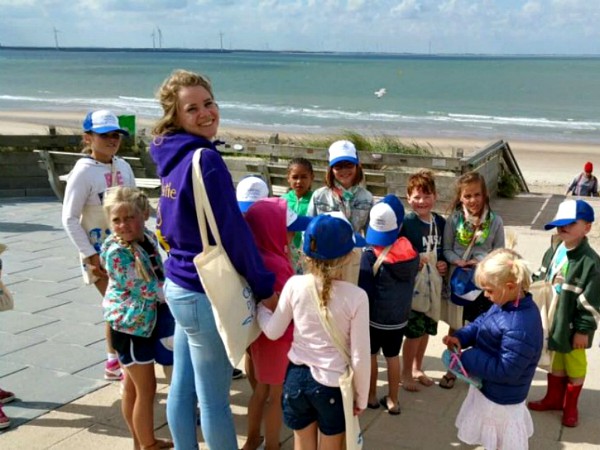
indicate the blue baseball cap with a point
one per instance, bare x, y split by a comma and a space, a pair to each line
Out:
570, 211
102, 121
329, 237
295, 222
385, 220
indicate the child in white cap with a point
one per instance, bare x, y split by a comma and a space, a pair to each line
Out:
342, 190
249, 190
387, 273
82, 215
573, 267
312, 399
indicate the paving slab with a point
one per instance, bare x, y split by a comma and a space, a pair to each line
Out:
69, 358
10, 343
40, 390
63, 332
77, 313
16, 321
36, 303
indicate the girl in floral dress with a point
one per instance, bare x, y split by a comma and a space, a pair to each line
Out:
135, 272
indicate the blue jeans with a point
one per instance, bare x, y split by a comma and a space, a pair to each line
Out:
201, 374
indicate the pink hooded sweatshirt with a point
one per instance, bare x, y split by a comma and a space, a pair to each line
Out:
267, 219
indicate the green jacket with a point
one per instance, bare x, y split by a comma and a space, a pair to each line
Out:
578, 309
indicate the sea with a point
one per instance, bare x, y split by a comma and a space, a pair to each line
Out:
549, 98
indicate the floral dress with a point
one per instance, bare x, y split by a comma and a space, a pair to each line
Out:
134, 290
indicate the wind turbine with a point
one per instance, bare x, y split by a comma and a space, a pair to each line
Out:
159, 37
153, 34
56, 38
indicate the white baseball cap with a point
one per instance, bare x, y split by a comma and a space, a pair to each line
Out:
249, 190
342, 151
102, 121
385, 220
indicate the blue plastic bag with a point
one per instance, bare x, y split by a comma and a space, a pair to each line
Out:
463, 289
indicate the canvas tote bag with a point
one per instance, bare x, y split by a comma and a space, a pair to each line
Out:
354, 437
94, 223
427, 296
229, 294
351, 269
6, 298
546, 299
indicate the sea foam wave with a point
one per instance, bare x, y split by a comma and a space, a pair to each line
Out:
257, 114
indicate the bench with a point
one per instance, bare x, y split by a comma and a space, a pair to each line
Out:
59, 164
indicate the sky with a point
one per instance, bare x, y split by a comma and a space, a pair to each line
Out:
401, 26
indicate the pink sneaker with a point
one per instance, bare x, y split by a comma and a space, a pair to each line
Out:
6, 396
112, 370
4, 421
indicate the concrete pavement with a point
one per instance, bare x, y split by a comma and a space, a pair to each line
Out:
52, 354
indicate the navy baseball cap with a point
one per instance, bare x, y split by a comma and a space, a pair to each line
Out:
329, 237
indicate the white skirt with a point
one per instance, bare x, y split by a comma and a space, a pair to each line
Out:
483, 422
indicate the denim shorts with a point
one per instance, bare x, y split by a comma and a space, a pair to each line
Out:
133, 349
306, 401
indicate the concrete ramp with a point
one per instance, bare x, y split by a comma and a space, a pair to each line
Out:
527, 209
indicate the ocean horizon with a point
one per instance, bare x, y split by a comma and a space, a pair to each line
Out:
527, 97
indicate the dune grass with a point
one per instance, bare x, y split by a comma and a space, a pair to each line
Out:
375, 144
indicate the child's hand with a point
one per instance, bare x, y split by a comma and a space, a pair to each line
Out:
461, 263
97, 269
442, 267
271, 302
357, 410
451, 342
472, 262
580, 341
422, 261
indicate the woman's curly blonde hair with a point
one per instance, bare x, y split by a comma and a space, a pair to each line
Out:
168, 95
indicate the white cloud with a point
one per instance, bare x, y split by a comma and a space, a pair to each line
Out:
479, 26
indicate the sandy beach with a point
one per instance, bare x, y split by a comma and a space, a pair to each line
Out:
547, 166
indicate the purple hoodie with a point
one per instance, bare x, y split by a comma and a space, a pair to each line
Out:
176, 222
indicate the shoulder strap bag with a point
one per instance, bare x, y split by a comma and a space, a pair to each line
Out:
354, 437
228, 292
94, 223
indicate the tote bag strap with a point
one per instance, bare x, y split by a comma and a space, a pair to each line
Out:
331, 329
113, 173
467, 252
380, 259
204, 211
432, 232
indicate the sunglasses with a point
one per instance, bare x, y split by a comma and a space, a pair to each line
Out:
344, 165
113, 135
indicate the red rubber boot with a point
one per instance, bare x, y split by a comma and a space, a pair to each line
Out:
555, 395
570, 414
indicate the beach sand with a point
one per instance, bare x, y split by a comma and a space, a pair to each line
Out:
546, 166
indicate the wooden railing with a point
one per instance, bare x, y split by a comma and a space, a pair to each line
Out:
384, 172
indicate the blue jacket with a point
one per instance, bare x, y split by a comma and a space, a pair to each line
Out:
390, 292
506, 344
176, 222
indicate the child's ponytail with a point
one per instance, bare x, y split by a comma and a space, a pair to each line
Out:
502, 266
325, 271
